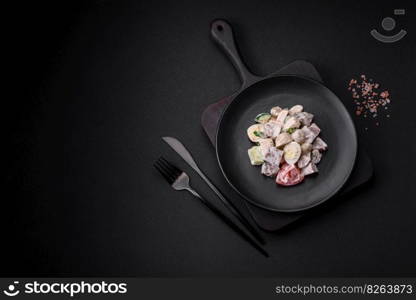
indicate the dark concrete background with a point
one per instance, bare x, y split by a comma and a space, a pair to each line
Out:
95, 86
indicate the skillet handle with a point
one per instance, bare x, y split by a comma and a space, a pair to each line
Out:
222, 33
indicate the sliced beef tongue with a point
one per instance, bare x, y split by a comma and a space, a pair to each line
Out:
304, 160
272, 129
311, 132
269, 169
265, 145
315, 129
272, 160
273, 156
309, 169
305, 118
319, 144
316, 156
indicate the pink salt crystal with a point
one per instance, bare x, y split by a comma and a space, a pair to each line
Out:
364, 94
384, 94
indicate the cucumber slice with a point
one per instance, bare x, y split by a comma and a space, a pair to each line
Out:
255, 155
262, 118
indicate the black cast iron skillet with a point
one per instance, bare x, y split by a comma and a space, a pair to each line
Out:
259, 94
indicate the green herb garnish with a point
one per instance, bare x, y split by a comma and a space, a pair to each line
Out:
258, 133
291, 130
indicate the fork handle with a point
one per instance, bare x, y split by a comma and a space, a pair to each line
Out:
229, 222
193, 192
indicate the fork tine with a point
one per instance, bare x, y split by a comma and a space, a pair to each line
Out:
174, 166
175, 170
161, 172
168, 170
169, 178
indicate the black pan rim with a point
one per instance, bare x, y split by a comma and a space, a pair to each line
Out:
331, 194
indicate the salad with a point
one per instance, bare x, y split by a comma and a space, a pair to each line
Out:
288, 146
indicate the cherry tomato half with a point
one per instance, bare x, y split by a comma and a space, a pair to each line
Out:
289, 175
